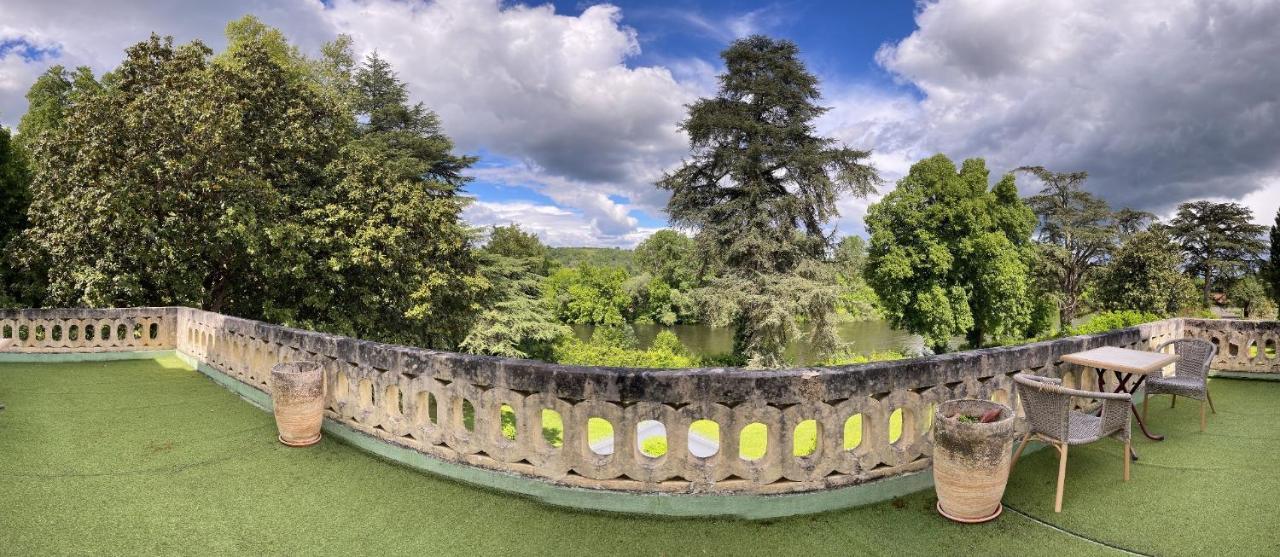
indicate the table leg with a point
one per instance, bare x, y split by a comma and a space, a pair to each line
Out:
1138, 415
1122, 386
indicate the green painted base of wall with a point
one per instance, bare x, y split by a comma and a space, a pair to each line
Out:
745, 506
27, 357
1258, 376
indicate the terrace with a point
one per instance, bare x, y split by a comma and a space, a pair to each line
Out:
117, 441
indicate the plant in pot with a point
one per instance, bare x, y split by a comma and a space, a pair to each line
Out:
972, 449
297, 398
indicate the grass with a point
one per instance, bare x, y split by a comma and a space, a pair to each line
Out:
148, 457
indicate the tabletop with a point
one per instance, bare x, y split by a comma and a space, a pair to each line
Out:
1122, 359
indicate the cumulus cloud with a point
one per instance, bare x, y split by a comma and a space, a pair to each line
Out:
554, 92
1161, 101
554, 225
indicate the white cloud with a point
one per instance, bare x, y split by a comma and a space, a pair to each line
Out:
1161, 101
554, 225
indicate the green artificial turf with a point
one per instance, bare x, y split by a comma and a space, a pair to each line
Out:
149, 457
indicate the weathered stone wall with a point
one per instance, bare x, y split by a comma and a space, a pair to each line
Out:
419, 399
88, 330
1243, 346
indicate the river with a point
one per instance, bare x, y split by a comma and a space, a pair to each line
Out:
864, 337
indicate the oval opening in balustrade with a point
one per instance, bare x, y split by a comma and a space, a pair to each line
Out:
853, 432
137, 331
56, 333
39, 332
753, 441
73, 333
507, 416
600, 436
704, 438
7, 332
106, 333
1000, 396
88, 332
804, 438
552, 428
651, 438
1251, 348
155, 331
468, 415
1233, 349
1270, 349
895, 426
23, 333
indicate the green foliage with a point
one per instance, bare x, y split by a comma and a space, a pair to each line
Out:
851, 358
588, 295
1112, 320
616, 346
514, 319
1273, 262
597, 257
14, 192
511, 241
857, 301
1251, 296
1077, 234
1219, 241
1144, 275
941, 259
758, 190
242, 183
668, 256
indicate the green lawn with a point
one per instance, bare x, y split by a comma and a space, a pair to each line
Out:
148, 457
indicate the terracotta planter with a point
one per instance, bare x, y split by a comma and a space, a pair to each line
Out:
971, 460
297, 395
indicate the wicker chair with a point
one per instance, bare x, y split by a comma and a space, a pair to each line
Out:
1190, 376
1050, 418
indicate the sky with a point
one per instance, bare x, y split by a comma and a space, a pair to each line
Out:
573, 106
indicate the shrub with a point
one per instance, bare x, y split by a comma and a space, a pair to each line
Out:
1111, 320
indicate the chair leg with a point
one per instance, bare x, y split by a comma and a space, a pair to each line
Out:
1018, 453
1173, 401
1210, 397
1062, 477
1202, 416
1128, 447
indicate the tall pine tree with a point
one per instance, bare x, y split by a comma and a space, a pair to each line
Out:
759, 190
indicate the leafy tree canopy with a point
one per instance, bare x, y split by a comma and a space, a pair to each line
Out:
1144, 274
1219, 241
758, 190
668, 256
1077, 231
948, 255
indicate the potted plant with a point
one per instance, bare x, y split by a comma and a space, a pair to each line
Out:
972, 445
297, 398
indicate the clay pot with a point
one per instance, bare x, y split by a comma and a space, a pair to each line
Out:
971, 460
297, 396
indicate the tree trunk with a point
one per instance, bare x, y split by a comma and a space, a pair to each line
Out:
1207, 274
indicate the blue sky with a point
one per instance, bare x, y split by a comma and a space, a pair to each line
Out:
572, 106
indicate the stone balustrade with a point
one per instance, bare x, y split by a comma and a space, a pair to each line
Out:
537, 420
1243, 346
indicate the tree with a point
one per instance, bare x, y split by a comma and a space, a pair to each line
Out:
858, 301
514, 319
1273, 264
1219, 241
948, 255
511, 241
588, 295
387, 227
1144, 274
1076, 230
668, 256
1250, 295
759, 190
14, 193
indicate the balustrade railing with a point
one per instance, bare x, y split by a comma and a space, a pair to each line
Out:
632, 430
